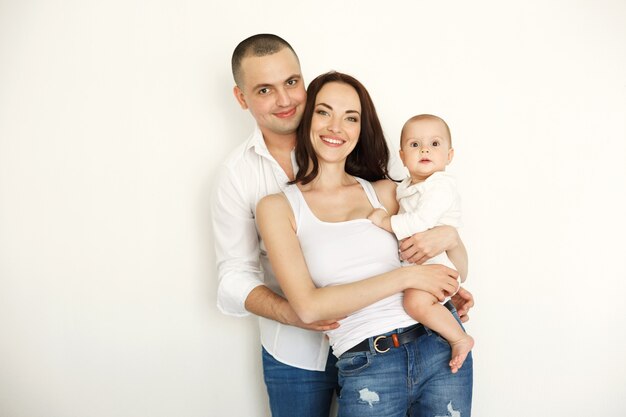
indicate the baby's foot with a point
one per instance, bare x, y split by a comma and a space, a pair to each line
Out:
460, 349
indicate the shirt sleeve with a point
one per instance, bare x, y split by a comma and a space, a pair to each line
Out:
432, 205
236, 245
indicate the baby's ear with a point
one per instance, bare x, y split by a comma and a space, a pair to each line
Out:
450, 154
402, 157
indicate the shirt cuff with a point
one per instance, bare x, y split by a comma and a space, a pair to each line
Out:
232, 295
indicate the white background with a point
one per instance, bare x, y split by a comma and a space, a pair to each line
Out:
115, 115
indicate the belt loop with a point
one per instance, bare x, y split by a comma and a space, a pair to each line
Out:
394, 339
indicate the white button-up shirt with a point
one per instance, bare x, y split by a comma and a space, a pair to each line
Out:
249, 174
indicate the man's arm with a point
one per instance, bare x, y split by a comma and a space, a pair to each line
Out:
236, 245
241, 288
264, 302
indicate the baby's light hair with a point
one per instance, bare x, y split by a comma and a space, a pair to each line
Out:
421, 117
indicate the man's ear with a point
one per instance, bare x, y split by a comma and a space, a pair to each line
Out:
241, 98
450, 155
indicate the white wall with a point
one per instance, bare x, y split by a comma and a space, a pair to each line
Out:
115, 115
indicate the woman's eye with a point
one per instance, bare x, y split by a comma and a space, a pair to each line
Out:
322, 112
352, 119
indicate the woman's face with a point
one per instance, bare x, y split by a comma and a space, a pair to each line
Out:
336, 122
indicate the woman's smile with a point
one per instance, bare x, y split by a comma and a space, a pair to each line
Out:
332, 140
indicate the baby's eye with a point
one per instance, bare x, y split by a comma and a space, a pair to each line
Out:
414, 145
436, 143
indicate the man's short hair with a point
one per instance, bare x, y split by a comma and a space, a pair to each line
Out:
257, 45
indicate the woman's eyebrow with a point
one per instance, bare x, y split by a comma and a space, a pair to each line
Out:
331, 108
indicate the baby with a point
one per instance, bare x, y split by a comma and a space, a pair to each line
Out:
428, 198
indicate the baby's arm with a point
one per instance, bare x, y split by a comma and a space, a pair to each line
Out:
381, 219
427, 211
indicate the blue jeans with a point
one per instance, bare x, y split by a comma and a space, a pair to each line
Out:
411, 380
296, 392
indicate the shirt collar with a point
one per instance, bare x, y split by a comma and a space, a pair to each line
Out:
256, 142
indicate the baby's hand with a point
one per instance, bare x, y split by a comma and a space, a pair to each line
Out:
377, 216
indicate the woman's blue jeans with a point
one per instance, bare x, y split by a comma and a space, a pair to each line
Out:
411, 380
295, 392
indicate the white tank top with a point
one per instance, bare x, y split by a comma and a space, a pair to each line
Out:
344, 252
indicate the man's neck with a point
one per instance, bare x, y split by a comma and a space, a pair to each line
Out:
280, 147
279, 144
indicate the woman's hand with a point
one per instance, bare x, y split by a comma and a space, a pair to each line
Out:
423, 246
439, 280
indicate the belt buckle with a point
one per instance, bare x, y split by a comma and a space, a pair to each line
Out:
376, 344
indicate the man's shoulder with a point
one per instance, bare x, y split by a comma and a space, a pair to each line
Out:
244, 156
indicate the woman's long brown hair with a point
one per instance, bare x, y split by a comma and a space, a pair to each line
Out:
370, 157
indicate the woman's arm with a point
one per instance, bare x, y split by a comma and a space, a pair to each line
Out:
278, 231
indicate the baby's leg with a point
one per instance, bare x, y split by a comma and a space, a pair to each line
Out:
425, 308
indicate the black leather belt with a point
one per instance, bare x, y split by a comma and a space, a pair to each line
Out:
383, 343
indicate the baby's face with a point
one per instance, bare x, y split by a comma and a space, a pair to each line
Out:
425, 148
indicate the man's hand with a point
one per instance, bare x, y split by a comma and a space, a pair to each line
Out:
463, 300
423, 246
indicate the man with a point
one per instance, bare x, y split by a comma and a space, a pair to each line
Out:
298, 369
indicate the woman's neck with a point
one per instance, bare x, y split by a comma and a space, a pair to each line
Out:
330, 177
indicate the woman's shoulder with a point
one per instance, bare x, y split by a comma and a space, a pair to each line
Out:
270, 202
274, 211
386, 192
384, 186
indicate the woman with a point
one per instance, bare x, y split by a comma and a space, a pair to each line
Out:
332, 262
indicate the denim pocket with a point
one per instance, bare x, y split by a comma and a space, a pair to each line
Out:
350, 365
440, 339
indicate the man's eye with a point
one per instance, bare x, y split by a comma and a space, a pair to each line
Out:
264, 90
292, 82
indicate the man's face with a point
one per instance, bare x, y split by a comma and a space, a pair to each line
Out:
273, 90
